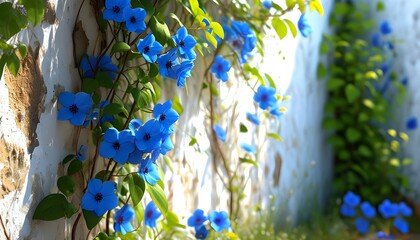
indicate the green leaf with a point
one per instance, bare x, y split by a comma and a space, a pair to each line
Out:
292, 27
104, 80
352, 93
364, 151
270, 80
158, 197
280, 27
120, 47
12, 21
353, 135
68, 158
70, 210
52, 207
211, 39
217, 29
34, 10
248, 161
154, 71
22, 50
323, 49
13, 63
160, 31
334, 83
173, 220
192, 141
90, 85
91, 219
74, 167
173, 16
176, 105
275, 136
140, 97
380, 6
66, 185
114, 108
242, 128
137, 186
317, 6
168, 163
321, 70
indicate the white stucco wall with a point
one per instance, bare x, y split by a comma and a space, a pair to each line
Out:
305, 158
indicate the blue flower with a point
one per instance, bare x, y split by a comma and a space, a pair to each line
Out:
135, 157
404, 209
219, 220
411, 123
82, 153
253, 118
404, 81
401, 225
185, 43
197, 219
122, 220
201, 232
148, 171
385, 27
100, 197
220, 68
166, 145
388, 209
135, 125
90, 66
134, 19
382, 235
165, 114
220, 132
304, 28
347, 211
275, 111
151, 214
75, 107
168, 64
149, 48
351, 199
368, 210
248, 148
183, 71
267, 4
149, 137
117, 145
114, 9
243, 40
376, 40
265, 97
362, 225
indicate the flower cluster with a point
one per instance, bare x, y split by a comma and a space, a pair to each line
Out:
178, 62
387, 210
121, 11
380, 40
242, 38
142, 143
218, 221
267, 100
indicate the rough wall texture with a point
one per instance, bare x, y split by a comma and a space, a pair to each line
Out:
294, 172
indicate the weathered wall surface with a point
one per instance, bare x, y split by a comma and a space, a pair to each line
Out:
295, 172
407, 64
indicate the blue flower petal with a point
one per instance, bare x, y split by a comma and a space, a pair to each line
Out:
64, 114
66, 99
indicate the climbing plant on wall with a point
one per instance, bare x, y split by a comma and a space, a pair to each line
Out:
361, 87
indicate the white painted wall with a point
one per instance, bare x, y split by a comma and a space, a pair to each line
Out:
306, 159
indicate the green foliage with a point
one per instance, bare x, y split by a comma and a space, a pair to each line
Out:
366, 158
53, 207
34, 10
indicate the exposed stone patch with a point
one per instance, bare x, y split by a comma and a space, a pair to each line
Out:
27, 95
49, 15
14, 169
